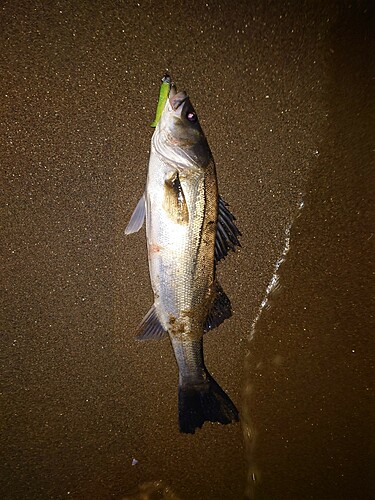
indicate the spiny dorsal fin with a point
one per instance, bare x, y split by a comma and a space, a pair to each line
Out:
227, 232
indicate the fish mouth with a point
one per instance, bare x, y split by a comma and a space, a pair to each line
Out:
176, 99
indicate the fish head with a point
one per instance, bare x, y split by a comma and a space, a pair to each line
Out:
179, 136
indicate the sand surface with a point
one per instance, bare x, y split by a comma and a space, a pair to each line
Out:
283, 93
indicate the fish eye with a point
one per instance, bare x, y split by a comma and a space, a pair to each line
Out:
191, 116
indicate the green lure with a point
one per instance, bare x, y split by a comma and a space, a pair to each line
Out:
163, 96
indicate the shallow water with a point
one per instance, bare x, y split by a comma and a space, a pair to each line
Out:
310, 358
283, 94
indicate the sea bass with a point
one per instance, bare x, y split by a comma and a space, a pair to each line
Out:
189, 229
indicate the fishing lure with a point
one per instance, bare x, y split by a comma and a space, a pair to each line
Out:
163, 96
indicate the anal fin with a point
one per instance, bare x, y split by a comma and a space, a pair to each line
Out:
150, 327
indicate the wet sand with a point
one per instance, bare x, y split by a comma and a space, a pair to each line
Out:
283, 94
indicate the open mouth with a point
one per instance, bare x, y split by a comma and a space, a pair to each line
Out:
177, 99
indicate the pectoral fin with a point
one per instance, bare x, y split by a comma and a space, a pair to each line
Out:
137, 218
174, 202
220, 310
227, 232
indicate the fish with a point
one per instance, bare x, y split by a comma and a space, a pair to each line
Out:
189, 229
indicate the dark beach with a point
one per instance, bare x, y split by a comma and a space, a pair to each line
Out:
283, 92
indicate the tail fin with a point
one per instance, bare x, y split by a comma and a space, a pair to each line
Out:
201, 403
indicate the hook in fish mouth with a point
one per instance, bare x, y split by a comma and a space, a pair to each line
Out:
166, 79
177, 99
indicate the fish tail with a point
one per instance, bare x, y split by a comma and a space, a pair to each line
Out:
200, 398
204, 402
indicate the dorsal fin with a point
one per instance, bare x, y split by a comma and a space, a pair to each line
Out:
220, 310
227, 232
